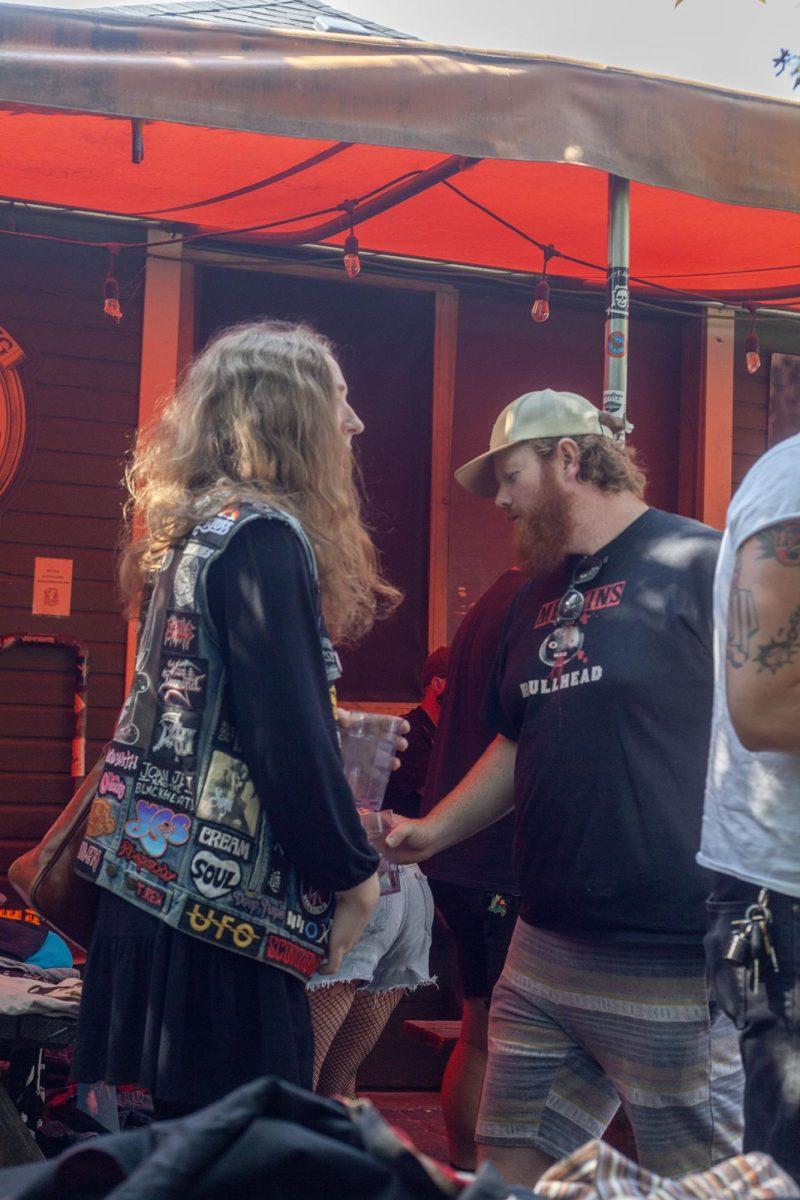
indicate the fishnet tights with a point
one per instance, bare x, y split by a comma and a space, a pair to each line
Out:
347, 1024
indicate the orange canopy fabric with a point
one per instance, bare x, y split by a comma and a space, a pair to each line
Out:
715, 202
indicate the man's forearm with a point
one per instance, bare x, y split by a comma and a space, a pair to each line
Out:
482, 797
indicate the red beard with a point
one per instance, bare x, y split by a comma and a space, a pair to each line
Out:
542, 535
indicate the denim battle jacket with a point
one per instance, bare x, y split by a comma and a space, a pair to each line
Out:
176, 827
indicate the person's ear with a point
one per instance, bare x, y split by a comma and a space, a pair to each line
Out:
438, 683
568, 459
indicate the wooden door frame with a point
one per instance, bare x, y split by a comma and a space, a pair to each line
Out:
168, 332
705, 466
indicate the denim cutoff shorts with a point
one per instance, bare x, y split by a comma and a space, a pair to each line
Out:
394, 948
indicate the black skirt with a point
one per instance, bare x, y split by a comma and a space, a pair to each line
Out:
187, 1020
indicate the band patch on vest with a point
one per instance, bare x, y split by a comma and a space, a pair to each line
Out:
214, 877
228, 796
182, 682
223, 928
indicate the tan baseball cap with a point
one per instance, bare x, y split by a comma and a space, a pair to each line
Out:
542, 414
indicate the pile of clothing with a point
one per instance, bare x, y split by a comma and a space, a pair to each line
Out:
270, 1138
37, 976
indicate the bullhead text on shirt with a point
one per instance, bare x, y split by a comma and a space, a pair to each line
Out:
557, 683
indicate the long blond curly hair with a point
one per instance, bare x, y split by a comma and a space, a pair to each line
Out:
254, 419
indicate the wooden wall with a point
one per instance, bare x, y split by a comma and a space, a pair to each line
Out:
501, 354
751, 392
82, 377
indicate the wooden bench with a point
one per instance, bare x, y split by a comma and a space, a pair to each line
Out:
441, 1035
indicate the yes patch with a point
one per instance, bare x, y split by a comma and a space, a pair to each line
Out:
156, 828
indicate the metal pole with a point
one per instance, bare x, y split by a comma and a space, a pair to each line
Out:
615, 376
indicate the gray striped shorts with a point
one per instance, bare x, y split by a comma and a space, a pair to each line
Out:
578, 1027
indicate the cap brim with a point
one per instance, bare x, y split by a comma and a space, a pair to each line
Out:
477, 476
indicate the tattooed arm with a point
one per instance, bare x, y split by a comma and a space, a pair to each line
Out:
763, 647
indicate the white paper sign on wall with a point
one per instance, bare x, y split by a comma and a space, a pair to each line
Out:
52, 587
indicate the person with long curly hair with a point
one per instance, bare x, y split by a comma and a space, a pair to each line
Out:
224, 836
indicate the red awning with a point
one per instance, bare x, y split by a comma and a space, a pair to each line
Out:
715, 200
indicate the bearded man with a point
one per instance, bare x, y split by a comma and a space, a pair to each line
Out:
601, 702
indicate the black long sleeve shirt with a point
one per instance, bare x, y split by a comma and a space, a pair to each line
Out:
263, 602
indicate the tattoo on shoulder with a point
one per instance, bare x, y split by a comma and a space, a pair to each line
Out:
780, 650
743, 623
781, 542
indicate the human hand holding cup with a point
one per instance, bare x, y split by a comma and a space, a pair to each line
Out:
370, 745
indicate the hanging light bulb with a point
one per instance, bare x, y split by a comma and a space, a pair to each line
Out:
752, 353
352, 263
111, 305
752, 350
540, 310
541, 301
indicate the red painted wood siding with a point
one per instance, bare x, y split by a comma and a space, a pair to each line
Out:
83, 380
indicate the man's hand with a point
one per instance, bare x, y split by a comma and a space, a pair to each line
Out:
484, 795
410, 841
353, 911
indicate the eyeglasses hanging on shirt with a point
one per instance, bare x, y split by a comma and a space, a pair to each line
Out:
566, 639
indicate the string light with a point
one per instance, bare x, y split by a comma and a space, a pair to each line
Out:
352, 263
752, 350
540, 311
111, 288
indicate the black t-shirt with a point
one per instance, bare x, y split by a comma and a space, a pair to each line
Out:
483, 861
613, 741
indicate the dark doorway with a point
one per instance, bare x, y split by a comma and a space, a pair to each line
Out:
384, 340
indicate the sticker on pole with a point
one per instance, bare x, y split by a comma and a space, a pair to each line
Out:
616, 344
618, 295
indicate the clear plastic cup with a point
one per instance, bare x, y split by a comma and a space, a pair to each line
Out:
376, 826
369, 743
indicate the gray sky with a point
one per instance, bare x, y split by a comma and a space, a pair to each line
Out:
729, 43
726, 42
